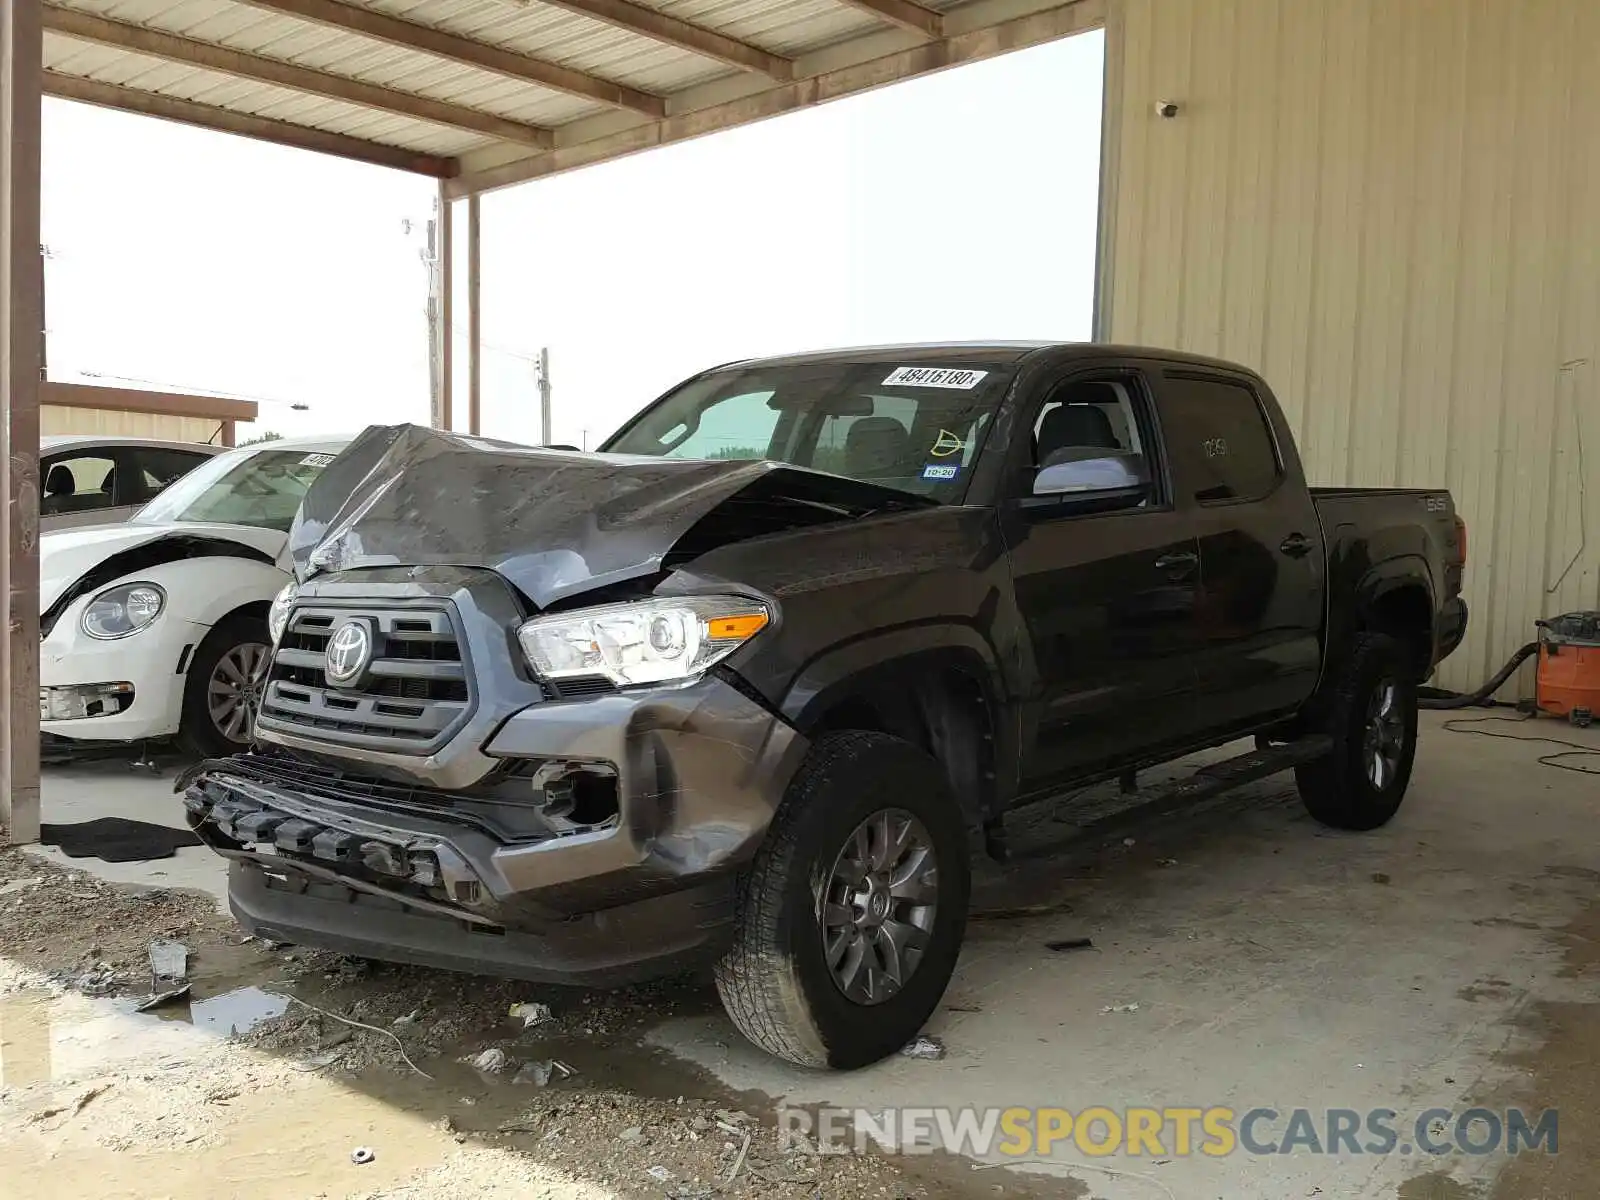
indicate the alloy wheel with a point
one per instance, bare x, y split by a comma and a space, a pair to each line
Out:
878, 906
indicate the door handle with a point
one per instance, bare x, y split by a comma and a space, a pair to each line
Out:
1180, 564
1296, 545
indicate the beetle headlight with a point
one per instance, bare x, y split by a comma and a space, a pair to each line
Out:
122, 611
278, 614
642, 641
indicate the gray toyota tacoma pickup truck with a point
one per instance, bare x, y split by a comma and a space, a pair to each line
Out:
744, 687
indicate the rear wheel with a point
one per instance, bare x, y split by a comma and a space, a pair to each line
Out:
222, 697
851, 918
1370, 710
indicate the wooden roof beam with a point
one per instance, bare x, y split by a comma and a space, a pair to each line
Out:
211, 57
264, 129
658, 26
382, 27
905, 13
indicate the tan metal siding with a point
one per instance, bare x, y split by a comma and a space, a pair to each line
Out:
99, 422
1393, 211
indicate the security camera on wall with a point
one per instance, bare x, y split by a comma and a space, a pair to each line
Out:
1166, 109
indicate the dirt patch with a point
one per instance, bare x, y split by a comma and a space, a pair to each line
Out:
94, 936
283, 1061
1436, 1185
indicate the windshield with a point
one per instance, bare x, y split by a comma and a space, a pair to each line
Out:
914, 428
261, 488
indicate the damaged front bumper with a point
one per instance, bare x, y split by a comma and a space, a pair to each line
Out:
602, 847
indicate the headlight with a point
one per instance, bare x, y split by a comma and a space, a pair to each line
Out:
278, 614
643, 641
123, 610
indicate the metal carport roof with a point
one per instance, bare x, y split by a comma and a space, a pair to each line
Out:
484, 93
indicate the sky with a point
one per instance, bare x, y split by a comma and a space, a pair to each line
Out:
957, 206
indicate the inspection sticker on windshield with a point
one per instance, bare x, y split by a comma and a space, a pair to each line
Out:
940, 471
316, 460
935, 377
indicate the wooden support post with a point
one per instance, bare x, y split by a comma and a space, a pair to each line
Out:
474, 321
21, 354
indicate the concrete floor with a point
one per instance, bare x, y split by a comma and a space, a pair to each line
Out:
1274, 963
1444, 961
112, 788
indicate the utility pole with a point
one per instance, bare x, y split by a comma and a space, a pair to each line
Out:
430, 258
544, 396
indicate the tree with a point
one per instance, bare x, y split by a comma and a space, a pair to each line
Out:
268, 436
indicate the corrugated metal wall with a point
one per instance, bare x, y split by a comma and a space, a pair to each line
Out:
1392, 209
60, 418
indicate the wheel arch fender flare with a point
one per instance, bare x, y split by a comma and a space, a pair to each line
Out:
886, 658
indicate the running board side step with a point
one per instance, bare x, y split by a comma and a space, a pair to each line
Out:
1140, 805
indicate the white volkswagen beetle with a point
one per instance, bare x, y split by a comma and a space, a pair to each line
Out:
158, 627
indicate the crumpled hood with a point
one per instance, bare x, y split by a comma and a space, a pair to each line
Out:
554, 523
69, 555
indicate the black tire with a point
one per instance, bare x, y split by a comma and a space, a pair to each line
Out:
198, 733
775, 982
1346, 790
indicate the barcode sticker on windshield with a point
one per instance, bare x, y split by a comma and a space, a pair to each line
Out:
935, 377
316, 460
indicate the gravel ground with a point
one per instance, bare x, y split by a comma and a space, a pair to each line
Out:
460, 1096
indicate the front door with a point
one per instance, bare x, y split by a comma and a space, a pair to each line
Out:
1106, 598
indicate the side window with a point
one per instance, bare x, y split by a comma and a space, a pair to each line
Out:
75, 483
1084, 416
156, 469
1221, 445
734, 427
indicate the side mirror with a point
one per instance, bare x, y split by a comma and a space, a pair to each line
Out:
1092, 479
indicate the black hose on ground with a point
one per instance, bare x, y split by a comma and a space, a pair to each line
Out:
1482, 694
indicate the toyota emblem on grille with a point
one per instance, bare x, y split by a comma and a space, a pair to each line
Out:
349, 651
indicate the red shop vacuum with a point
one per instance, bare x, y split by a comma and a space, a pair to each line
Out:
1569, 667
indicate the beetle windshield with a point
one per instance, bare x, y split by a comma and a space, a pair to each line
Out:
254, 487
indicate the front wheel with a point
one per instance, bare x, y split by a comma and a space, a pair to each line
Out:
851, 918
223, 693
1370, 710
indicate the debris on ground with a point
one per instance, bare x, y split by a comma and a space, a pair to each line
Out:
362, 1155
534, 1072
1077, 943
1166, 862
531, 1014
99, 980
634, 1133
1380, 877
1132, 1007
661, 1173
963, 1008
491, 1062
166, 997
924, 1047
73, 1107
1128, 842
406, 1020
169, 962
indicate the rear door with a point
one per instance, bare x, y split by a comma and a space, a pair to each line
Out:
1261, 557
79, 488
153, 469
1106, 598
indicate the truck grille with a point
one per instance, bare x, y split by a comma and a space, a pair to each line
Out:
410, 698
